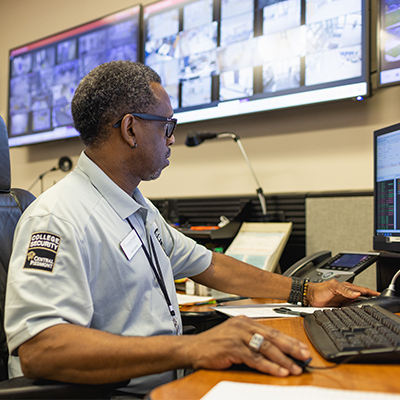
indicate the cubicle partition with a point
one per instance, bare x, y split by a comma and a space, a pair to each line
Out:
341, 221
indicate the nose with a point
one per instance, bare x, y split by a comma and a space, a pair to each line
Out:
171, 140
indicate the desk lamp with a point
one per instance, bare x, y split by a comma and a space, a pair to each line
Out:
196, 138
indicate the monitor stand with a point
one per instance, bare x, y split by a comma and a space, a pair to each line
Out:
387, 265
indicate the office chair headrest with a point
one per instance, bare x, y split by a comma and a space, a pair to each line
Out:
5, 173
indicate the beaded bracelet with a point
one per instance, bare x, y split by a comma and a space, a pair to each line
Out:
296, 291
304, 300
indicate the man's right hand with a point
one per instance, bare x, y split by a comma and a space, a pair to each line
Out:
228, 344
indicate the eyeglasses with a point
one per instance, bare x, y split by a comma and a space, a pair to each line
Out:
171, 122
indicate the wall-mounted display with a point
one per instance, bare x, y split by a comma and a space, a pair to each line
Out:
44, 74
219, 58
389, 42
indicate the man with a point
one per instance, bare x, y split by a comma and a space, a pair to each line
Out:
91, 296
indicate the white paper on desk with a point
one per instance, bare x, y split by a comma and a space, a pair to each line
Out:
264, 310
190, 299
239, 391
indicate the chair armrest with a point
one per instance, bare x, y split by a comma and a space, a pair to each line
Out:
24, 388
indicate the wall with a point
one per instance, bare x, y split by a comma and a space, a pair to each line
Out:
313, 148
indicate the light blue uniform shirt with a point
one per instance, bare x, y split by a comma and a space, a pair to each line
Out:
68, 265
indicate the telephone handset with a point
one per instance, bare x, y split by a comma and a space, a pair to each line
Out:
321, 266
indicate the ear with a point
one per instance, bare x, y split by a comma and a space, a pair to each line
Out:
128, 127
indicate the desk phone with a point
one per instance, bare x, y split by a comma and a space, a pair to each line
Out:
321, 266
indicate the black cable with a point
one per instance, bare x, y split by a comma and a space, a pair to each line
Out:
343, 361
40, 177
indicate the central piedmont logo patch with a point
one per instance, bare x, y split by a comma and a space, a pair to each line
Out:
42, 251
157, 234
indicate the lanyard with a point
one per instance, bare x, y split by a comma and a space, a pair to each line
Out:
159, 276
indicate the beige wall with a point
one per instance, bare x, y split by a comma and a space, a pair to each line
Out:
313, 148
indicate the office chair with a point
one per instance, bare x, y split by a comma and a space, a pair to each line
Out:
12, 204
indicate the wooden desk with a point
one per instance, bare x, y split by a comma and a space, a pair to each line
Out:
368, 377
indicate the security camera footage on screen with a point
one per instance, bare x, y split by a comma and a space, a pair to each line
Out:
389, 42
231, 58
44, 74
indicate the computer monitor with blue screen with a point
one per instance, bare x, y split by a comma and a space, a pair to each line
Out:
387, 189
44, 74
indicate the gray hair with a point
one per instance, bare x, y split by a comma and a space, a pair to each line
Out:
107, 93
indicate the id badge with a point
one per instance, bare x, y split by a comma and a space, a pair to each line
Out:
131, 244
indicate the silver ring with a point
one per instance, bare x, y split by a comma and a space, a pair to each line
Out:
256, 342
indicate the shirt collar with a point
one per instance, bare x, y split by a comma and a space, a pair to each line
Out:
123, 204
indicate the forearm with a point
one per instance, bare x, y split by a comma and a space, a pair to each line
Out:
75, 354
232, 276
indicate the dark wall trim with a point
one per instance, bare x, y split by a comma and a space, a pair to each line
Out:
349, 193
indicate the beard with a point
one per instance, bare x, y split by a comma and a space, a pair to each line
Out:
154, 175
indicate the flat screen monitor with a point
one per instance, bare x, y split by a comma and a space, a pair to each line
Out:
44, 74
389, 42
387, 189
219, 58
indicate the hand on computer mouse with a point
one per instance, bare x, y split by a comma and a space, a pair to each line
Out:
301, 363
242, 340
332, 293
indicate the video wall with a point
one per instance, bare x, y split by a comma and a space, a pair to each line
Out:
216, 58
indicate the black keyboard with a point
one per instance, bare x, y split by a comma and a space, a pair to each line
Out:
363, 334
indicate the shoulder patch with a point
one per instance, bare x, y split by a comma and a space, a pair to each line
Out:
42, 251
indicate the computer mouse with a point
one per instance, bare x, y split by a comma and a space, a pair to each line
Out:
303, 364
389, 303
243, 367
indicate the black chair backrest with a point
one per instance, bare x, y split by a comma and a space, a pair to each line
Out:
12, 204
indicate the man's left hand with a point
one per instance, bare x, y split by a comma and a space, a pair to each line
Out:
332, 293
